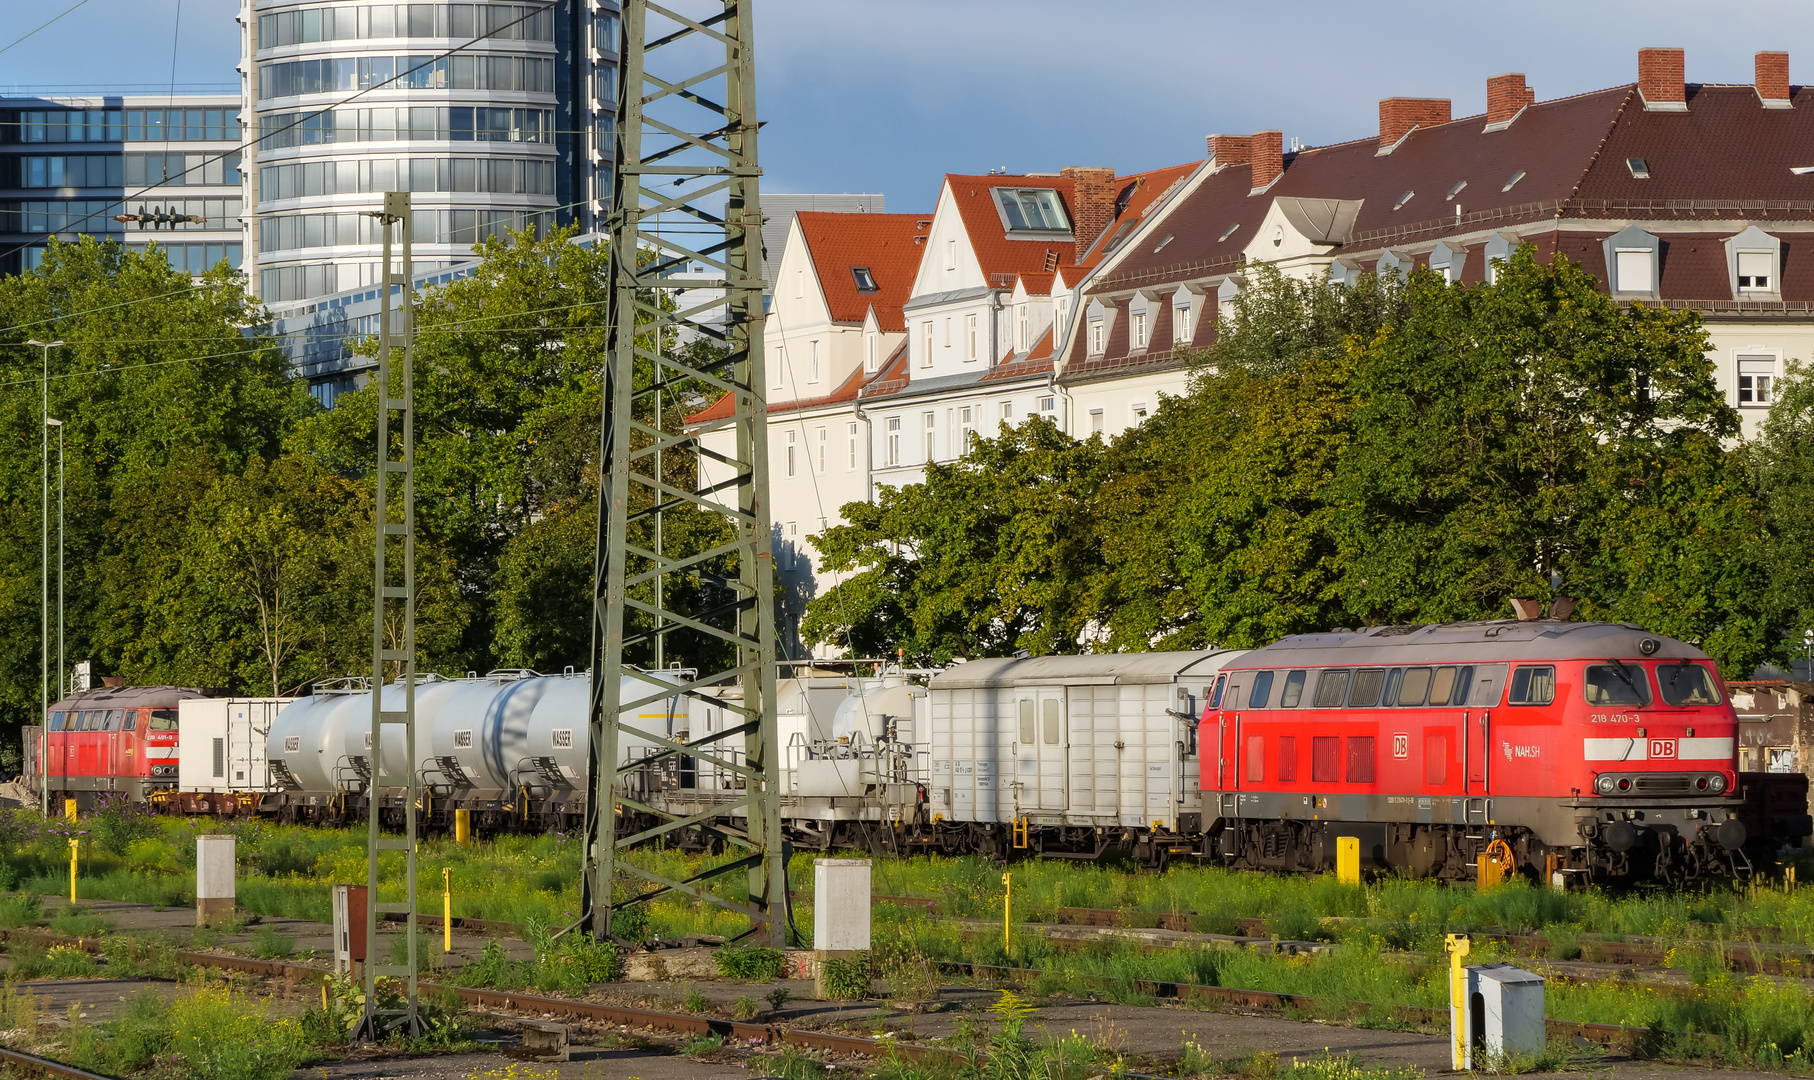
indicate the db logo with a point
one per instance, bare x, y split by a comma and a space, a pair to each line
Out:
1401, 745
1662, 748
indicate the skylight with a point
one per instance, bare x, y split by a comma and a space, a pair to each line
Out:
1456, 190
1509, 184
866, 281
1162, 243
1032, 210
1403, 199
1640, 169
1228, 232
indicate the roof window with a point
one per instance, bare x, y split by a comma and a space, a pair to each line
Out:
1228, 232
1119, 235
1640, 169
1456, 190
1403, 199
1032, 212
1513, 182
1162, 243
866, 281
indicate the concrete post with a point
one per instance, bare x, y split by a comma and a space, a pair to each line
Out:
841, 905
214, 879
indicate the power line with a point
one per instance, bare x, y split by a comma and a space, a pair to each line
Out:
42, 25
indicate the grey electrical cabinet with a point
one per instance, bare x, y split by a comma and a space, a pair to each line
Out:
1504, 1014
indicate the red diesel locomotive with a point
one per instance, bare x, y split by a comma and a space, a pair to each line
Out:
1577, 748
113, 739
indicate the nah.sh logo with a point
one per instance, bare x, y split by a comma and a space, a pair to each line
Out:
1520, 751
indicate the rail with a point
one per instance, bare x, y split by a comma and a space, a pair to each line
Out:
47, 1066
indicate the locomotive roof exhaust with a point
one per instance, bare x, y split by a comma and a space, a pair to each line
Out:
1531, 610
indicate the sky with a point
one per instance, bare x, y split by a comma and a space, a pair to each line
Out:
874, 96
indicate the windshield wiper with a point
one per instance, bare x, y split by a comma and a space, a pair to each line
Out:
1625, 675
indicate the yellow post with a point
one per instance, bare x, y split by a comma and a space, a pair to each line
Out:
462, 827
69, 809
74, 846
1486, 874
447, 909
1347, 860
1007, 909
1457, 945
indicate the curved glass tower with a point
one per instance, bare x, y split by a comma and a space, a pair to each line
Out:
492, 137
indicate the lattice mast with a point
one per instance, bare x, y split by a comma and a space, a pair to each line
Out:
393, 613
686, 145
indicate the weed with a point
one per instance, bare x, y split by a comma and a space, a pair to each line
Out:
704, 1044
118, 822
60, 962
847, 980
792, 1064
694, 1001
152, 957
745, 1008
1344, 1067
16, 910
18, 1012
754, 963
269, 944
205, 1034
1193, 1060
75, 921
778, 998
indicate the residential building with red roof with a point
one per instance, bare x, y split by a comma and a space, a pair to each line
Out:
1671, 193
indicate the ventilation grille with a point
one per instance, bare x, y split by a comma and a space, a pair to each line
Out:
1662, 785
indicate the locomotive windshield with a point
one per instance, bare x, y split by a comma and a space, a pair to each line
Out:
1616, 684
1687, 684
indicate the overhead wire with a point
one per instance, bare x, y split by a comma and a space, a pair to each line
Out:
42, 25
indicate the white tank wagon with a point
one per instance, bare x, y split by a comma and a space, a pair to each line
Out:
1068, 756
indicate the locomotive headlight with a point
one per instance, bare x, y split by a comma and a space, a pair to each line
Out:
1716, 783
1603, 785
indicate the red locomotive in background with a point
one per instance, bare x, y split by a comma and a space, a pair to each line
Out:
120, 738
1576, 748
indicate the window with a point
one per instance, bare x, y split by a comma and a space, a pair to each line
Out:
1415, 687
822, 449
1512, 180
1360, 759
1756, 269
1325, 759
1294, 689
1285, 770
1436, 758
1048, 404
1403, 199
1640, 169
114, 716
866, 282
1756, 380
1181, 324
926, 344
1616, 684
162, 720
893, 455
1095, 337
812, 369
1215, 696
1138, 412
1687, 684
791, 550
132, 720
1262, 689
1020, 327
951, 254
1331, 688
56, 721
969, 337
870, 359
1228, 232
1137, 327
1031, 210
850, 437
931, 434
1095, 421
792, 438
780, 366
1367, 684
1450, 686
1454, 191
1007, 410
1162, 243
966, 428
1632, 270
1533, 686
1048, 717
1253, 770
947, 331
1028, 734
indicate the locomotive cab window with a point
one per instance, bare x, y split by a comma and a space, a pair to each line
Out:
1616, 684
1331, 688
1414, 689
56, 721
1367, 683
112, 722
1533, 685
1262, 689
1215, 698
132, 720
1450, 684
1294, 689
1687, 684
162, 720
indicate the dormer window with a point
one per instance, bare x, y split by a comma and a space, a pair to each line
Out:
1634, 258
1756, 271
866, 282
1632, 270
1032, 213
1137, 327
1096, 337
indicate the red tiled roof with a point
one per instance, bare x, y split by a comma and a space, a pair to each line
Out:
1037, 361
895, 367
886, 243
1001, 259
1148, 188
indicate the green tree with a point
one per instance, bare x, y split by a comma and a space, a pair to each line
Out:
1782, 471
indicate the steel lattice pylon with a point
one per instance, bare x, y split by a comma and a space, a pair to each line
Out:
686, 144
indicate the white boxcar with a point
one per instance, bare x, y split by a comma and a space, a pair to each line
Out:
1104, 739
221, 743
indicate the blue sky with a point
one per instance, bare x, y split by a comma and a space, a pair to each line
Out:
861, 95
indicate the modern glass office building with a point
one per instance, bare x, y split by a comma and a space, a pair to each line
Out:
511, 131
76, 165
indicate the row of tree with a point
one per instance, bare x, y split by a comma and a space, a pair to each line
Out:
1364, 455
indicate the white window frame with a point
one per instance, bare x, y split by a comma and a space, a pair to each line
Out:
1049, 404
870, 347
1181, 323
966, 427
969, 338
780, 367
1021, 328
850, 431
1007, 409
1096, 421
930, 421
1136, 413
1769, 285
1137, 330
893, 445
822, 442
1097, 336
792, 439
1620, 286
951, 255
813, 371
926, 343
1745, 386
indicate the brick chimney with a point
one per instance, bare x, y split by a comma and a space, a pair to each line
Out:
1773, 79
1092, 204
1505, 95
1231, 149
1268, 157
1661, 77
1397, 115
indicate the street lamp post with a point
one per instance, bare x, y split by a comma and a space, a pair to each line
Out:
62, 689
44, 583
